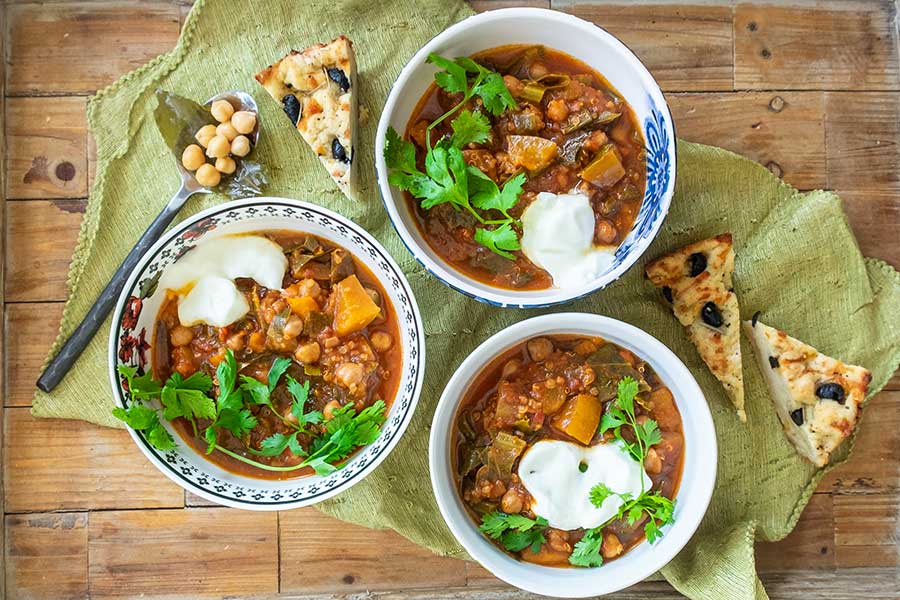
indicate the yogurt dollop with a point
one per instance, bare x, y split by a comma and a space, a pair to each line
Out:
558, 236
551, 471
204, 277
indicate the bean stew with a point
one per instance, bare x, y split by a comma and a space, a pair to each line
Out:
588, 393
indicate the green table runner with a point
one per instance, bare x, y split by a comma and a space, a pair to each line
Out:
797, 262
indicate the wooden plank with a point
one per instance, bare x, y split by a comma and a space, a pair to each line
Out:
784, 131
77, 48
829, 47
47, 154
863, 141
34, 326
811, 544
46, 556
867, 530
41, 236
872, 468
4, 381
308, 542
191, 553
51, 464
874, 216
687, 48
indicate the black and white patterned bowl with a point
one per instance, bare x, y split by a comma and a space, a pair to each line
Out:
131, 339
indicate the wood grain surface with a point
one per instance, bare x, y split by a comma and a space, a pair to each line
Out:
810, 89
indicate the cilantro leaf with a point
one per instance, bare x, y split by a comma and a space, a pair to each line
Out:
209, 435
187, 397
486, 195
159, 437
399, 154
275, 444
300, 393
446, 167
139, 387
257, 391
345, 432
502, 240
599, 493
516, 532
238, 422
586, 552
453, 78
136, 416
279, 366
469, 128
494, 94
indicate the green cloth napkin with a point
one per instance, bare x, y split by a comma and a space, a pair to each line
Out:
797, 262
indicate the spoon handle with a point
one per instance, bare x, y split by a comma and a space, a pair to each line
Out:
78, 341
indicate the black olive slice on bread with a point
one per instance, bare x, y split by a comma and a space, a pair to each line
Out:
316, 88
696, 281
817, 397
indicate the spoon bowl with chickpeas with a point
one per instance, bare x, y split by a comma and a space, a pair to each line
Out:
208, 155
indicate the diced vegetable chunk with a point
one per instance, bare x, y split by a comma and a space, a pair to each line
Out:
354, 308
530, 151
302, 305
579, 417
605, 170
502, 454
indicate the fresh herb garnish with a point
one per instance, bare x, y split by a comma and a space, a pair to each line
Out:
516, 532
621, 412
331, 441
447, 177
586, 552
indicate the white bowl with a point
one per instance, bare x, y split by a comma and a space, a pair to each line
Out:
694, 492
586, 42
184, 465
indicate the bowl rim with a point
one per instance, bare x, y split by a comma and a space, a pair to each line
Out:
248, 504
553, 581
444, 271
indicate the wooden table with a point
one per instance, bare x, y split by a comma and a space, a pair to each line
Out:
810, 89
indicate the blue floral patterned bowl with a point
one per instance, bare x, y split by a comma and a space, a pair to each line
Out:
131, 343
586, 42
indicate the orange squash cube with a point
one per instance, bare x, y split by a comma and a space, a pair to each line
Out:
354, 308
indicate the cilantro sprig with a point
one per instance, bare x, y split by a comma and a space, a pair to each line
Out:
332, 440
447, 178
516, 532
658, 509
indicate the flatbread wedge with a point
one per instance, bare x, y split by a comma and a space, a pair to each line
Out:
696, 281
317, 90
817, 397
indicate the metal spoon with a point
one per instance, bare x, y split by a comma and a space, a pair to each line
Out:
78, 341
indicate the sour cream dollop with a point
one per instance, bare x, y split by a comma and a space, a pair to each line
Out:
204, 277
551, 472
558, 236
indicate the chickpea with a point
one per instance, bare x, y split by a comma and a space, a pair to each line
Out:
244, 121
328, 410
222, 110
205, 134
218, 147
227, 130
207, 176
557, 110
510, 367
237, 341
381, 341
240, 146
181, 336
226, 165
293, 327
349, 375
558, 540
652, 462
308, 353
332, 341
537, 70
511, 503
611, 546
604, 231
192, 157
